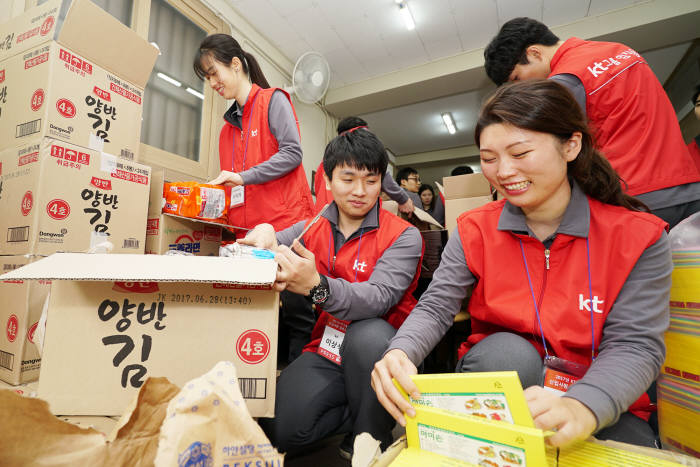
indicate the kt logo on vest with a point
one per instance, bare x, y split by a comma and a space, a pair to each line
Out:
585, 303
254, 133
359, 266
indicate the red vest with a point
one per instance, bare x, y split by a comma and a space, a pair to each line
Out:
502, 301
281, 202
323, 196
319, 239
695, 153
634, 123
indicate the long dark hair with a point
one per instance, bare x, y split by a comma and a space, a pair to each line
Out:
548, 107
424, 187
223, 48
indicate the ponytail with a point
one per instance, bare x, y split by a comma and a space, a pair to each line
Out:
224, 48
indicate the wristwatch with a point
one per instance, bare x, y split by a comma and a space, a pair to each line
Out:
320, 293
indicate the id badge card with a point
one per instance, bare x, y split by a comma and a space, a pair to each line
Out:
237, 196
332, 339
559, 374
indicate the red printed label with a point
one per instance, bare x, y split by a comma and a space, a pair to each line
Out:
27, 159
37, 99
27, 203
11, 328
34, 61
65, 108
2, 76
102, 94
253, 346
123, 92
198, 235
31, 331
558, 380
100, 183
136, 287
76, 62
152, 226
47, 25
212, 234
58, 209
130, 177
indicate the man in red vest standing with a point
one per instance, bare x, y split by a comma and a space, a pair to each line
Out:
359, 265
636, 127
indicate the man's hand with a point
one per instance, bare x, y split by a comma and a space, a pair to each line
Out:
395, 364
407, 207
262, 236
572, 420
297, 269
227, 178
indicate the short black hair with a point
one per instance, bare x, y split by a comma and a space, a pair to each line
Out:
360, 149
404, 173
462, 170
348, 123
697, 93
509, 46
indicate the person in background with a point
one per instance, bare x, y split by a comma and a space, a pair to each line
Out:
694, 145
569, 275
359, 264
260, 158
389, 186
409, 180
461, 170
635, 124
431, 204
259, 150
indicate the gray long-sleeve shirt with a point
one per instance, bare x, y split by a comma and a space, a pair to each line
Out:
392, 189
657, 199
632, 348
283, 126
392, 274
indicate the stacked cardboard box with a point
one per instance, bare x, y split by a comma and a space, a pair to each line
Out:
165, 232
70, 118
462, 193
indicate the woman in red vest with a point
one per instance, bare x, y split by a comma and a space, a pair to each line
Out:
570, 278
259, 149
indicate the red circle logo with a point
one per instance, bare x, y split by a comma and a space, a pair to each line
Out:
11, 329
31, 331
46, 27
37, 99
198, 234
253, 346
58, 209
65, 108
27, 203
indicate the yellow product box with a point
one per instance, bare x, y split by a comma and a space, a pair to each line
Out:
492, 395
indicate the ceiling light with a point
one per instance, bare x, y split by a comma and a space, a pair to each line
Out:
449, 123
195, 93
170, 80
406, 15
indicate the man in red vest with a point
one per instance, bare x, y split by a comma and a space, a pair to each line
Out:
635, 124
359, 265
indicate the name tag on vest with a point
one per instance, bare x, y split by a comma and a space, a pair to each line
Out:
332, 339
237, 196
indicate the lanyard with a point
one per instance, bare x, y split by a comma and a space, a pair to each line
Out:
247, 137
537, 311
357, 257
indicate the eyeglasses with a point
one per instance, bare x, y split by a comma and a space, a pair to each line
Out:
417, 179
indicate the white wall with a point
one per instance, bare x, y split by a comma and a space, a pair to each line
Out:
10, 9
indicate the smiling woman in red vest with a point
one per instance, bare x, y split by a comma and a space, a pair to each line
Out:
259, 149
570, 278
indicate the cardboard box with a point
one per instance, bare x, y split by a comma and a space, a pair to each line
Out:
60, 197
21, 303
114, 320
165, 232
462, 193
65, 89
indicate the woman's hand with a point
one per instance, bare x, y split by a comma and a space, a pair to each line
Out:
262, 236
297, 269
395, 364
572, 420
227, 178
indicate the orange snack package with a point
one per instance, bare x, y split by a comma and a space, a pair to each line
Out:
196, 200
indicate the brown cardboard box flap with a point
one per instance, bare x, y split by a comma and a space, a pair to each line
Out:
466, 186
259, 273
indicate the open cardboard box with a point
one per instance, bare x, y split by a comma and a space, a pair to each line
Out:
462, 193
114, 320
66, 79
